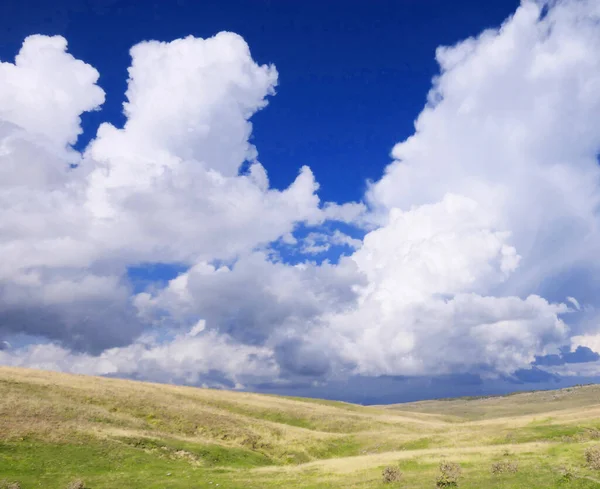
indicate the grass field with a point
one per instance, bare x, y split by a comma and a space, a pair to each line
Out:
113, 434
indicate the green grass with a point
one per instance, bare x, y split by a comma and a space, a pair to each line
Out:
418, 444
209, 455
101, 465
55, 428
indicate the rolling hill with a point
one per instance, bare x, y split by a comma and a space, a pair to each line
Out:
55, 428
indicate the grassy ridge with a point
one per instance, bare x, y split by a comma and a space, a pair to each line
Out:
519, 403
115, 433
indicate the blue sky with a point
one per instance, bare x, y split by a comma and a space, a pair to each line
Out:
379, 248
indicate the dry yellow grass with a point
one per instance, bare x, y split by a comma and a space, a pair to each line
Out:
52, 407
517, 404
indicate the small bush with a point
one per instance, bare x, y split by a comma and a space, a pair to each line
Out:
593, 434
76, 484
4, 484
253, 441
566, 475
449, 474
391, 474
592, 457
505, 467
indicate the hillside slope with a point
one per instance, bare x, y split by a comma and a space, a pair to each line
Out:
116, 433
519, 403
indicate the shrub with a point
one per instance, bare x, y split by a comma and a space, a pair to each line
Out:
253, 441
593, 434
391, 474
76, 484
505, 467
4, 484
449, 474
592, 457
566, 475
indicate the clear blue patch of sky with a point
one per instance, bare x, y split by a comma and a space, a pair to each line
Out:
153, 275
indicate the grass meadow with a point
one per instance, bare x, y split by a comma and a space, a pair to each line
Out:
56, 429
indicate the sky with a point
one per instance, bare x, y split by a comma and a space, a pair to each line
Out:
366, 201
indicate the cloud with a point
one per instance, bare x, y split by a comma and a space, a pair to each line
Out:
421, 307
46, 89
172, 170
492, 202
509, 124
86, 313
319, 242
211, 359
579, 359
164, 188
575, 302
472, 236
255, 299
534, 375
581, 354
590, 341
